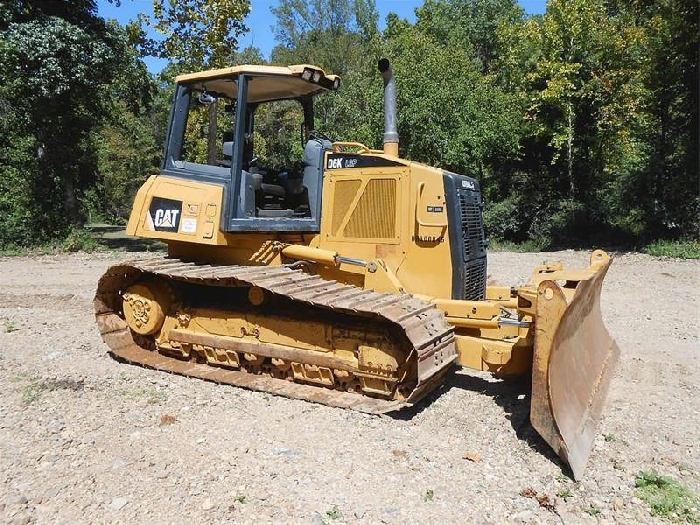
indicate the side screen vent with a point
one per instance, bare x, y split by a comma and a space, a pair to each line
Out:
374, 215
344, 194
468, 244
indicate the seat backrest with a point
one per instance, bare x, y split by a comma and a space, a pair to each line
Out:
313, 168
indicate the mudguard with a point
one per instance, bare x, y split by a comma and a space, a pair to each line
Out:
574, 360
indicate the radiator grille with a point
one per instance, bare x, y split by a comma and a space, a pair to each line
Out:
472, 229
474, 279
467, 232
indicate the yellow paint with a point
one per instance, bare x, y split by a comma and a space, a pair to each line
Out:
376, 215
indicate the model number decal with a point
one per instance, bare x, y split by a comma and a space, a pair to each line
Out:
435, 209
337, 161
427, 238
340, 162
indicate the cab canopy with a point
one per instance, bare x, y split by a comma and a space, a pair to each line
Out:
301, 80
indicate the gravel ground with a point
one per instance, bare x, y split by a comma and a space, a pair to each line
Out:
84, 439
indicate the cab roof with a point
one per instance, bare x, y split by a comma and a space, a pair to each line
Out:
266, 82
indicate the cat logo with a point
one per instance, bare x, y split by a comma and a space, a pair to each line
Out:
166, 218
164, 214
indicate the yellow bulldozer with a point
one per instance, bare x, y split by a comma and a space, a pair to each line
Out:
338, 274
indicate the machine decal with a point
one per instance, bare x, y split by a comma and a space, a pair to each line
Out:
164, 214
468, 184
435, 209
189, 225
428, 238
352, 160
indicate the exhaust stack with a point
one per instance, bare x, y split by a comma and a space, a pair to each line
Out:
391, 134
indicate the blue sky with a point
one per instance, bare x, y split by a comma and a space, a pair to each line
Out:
260, 20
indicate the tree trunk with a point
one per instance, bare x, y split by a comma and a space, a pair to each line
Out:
70, 202
569, 150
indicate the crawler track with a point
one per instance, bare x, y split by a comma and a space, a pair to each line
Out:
422, 324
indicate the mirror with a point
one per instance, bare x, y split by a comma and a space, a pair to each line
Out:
206, 98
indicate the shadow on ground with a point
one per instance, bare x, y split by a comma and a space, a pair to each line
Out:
115, 238
512, 395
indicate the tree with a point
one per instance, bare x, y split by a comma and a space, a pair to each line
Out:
468, 24
450, 114
198, 33
57, 60
577, 69
336, 35
343, 38
611, 91
667, 196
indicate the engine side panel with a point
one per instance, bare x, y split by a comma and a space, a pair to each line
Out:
173, 209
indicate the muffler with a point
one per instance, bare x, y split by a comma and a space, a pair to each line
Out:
391, 134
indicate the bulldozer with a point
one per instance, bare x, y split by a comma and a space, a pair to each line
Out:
331, 272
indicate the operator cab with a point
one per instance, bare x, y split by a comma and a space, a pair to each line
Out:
250, 128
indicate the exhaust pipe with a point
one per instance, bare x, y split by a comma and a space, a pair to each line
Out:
391, 134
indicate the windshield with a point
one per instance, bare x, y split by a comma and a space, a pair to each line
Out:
210, 123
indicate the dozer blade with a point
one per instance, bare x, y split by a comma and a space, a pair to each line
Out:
573, 363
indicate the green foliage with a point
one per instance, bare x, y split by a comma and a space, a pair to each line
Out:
33, 392
604, 130
529, 246
126, 155
79, 241
197, 33
343, 38
73, 240
667, 498
557, 223
469, 24
334, 513
565, 494
592, 510
689, 249
62, 69
354, 113
502, 220
337, 36
19, 212
462, 121
9, 326
37, 387
277, 135
151, 396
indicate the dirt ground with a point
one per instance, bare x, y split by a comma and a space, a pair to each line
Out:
84, 439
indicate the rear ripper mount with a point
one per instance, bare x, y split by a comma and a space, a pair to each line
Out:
373, 352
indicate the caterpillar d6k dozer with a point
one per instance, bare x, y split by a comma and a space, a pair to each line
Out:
334, 273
